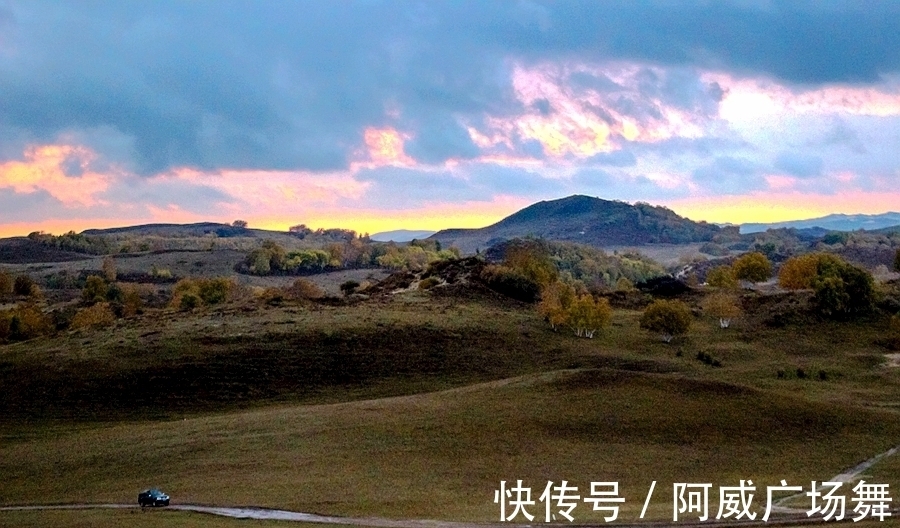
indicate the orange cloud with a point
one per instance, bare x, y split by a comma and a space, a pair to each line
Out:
44, 170
385, 146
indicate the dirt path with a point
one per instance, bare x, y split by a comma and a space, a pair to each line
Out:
789, 516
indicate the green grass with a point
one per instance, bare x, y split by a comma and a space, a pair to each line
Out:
417, 406
441, 455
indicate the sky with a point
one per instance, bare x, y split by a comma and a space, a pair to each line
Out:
376, 115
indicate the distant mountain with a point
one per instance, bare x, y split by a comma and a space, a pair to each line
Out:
586, 220
400, 235
168, 230
833, 222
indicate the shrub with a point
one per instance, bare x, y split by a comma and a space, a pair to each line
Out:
6, 283
188, 301
624, 285
97, 315
752, 267
348, 287
799, 273
23, 322
95, 290
160, 273
430, 282
510, 282
215, 290
23, 285
842, 289
669, 318
722, 277
303, 289
722, 306
109, 269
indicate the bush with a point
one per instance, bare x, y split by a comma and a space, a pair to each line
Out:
752, 267
842, 289
98, 315
6, 283
624, 285
201, 291
799, 273
512, 283
721, 277
430, 282
722, 306
348, 287
303, 289
188, 301
109, 269
95, 290
23, 322
23, 285
160, 273
668, 318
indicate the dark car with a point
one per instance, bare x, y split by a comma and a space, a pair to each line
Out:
153, 497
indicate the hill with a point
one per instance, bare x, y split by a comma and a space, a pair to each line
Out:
833, 222
587, 220
400, 235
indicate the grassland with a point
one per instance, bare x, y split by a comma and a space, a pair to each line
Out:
417, 405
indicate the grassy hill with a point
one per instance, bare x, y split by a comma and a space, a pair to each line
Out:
587, 220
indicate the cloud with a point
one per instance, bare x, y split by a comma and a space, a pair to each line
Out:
798, 164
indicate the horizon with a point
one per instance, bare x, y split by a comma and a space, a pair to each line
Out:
284, 228
378, 116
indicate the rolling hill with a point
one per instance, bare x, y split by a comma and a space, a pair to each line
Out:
587, 220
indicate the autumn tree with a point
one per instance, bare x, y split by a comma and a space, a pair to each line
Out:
241, 224
842, 289
752, 267
586, 315
669, 318
723, 306
556, 299
798, 273
109, 269
624, 285
95, 290
6, 283
722, 277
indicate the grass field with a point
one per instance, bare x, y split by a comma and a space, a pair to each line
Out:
416, 406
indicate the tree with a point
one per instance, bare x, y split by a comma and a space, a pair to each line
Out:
109, 269
723, 306
587, 315
799, 272
6, 283
842, 289
624, 285
752, 267
668, 318
23, 285
897, 261
95, 290
722, 277
241, 224
556, 299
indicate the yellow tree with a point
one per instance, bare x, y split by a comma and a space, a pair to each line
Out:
722, 277
752, 267
587, 315
556, 299
798, 273
667, 318
723, 306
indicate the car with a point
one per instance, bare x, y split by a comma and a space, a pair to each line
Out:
153, 497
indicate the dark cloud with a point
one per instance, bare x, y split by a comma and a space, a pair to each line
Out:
165, 193
799, 165
730, 175
616, 158
26, 207
292, 85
